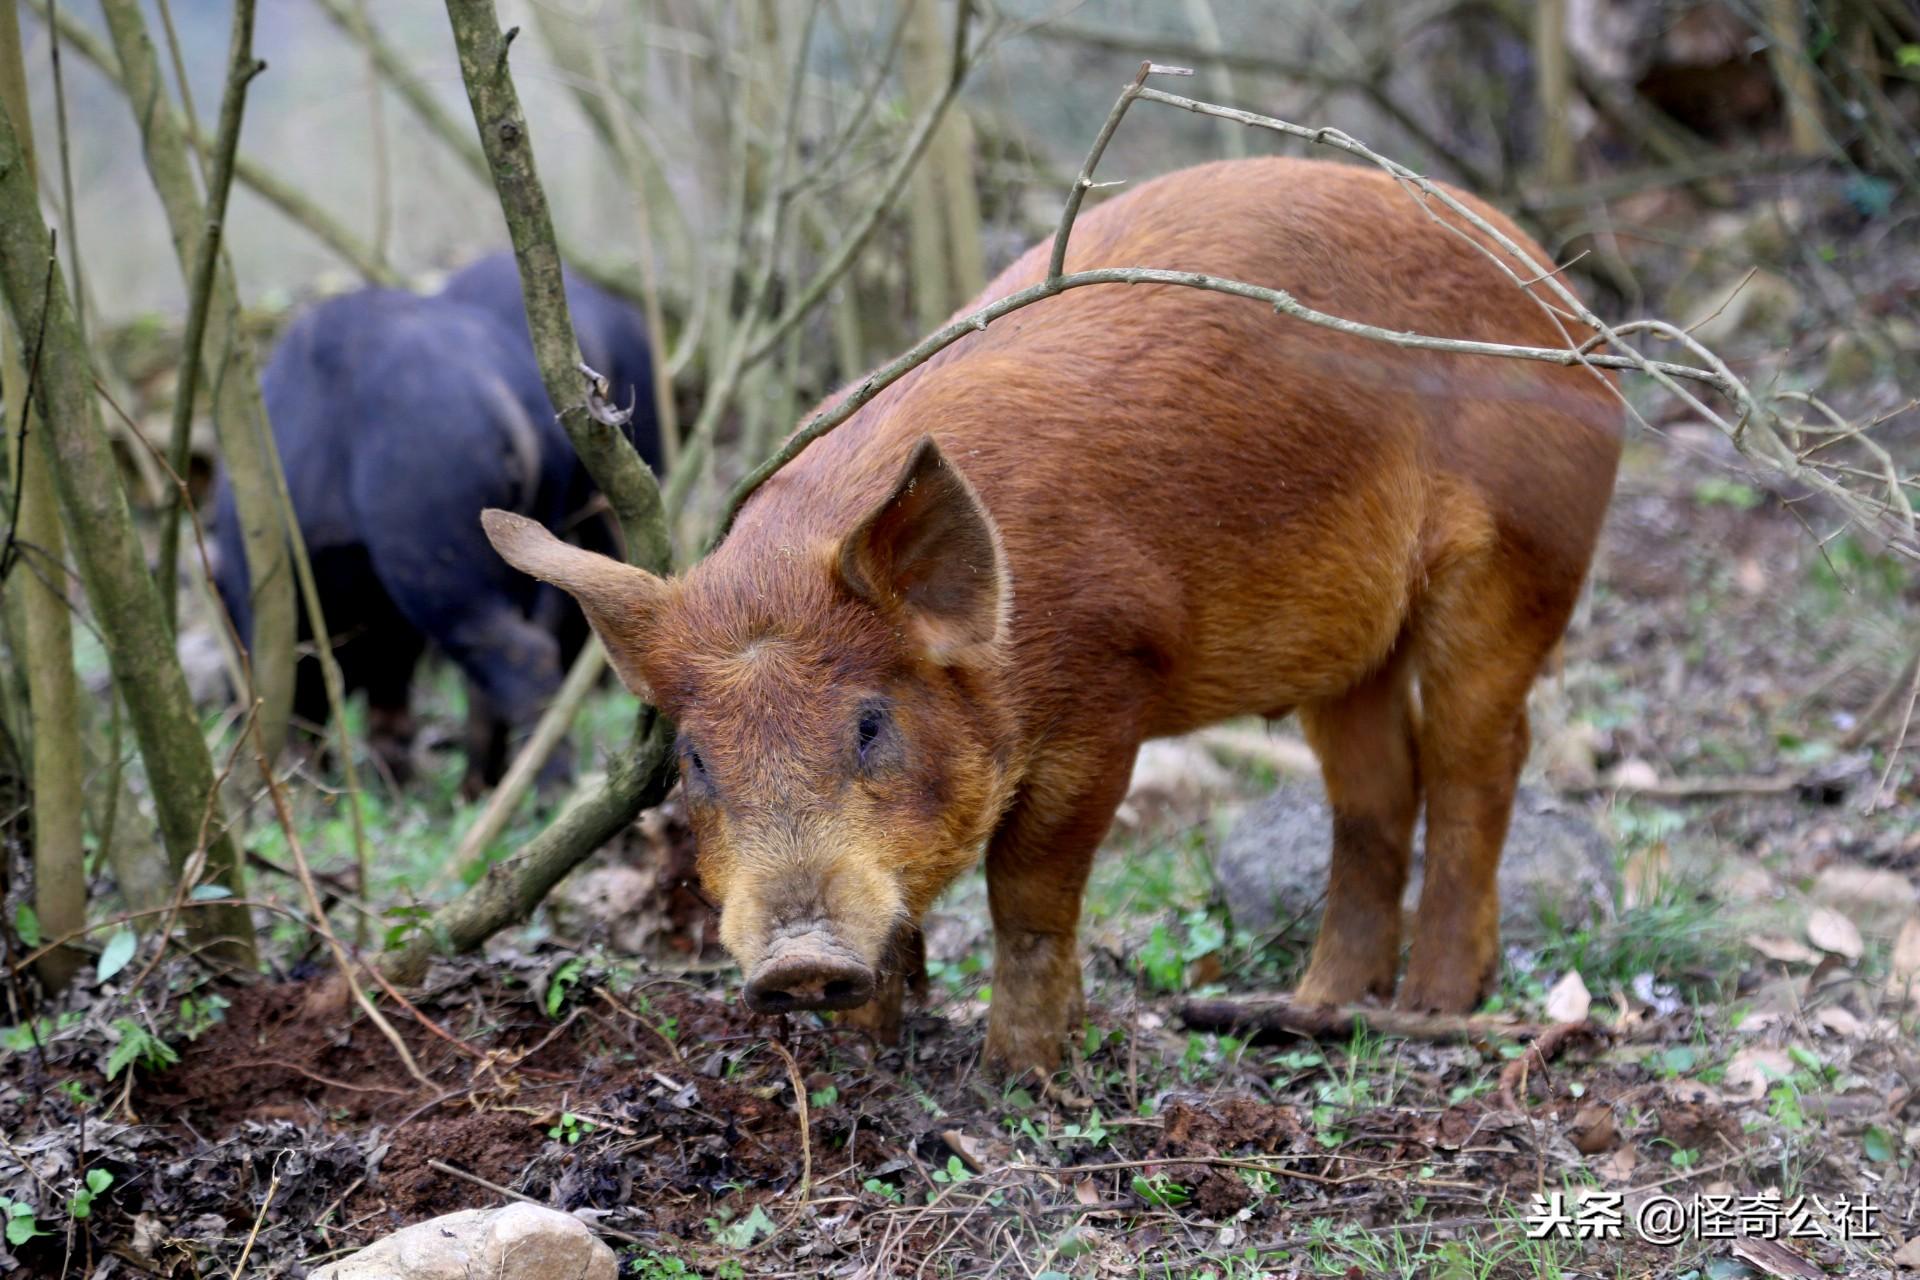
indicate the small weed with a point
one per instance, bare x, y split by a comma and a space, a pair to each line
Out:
138, 1047
97, 1182
571, 1129
196, 1015
566, 977
1160, 1190
743, 1233
952, 1176
22, 1225
1720, 491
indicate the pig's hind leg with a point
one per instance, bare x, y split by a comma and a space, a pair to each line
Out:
1365, 740
1484, 633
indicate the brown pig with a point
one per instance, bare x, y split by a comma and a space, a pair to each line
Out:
1122, 513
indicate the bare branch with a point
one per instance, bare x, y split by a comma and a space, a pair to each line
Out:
241, 69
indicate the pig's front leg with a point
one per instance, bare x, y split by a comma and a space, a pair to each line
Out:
905, 973
1037, 868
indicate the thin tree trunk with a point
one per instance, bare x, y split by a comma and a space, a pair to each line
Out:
1787, 46
927, 240
233, 381
1553, 83
38, 594
126, 603
1206, 33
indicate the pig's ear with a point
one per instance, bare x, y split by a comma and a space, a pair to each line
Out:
619, 600
932, 552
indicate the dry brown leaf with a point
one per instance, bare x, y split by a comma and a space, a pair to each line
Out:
1776, 1259
1907, 1256
1085, 1192
1906, 951
1874, 897
1832, 932
968, 1149
1569, 1000
1752, 1071
1592, 1130
1619, 1166
1839, 1020
1782, 950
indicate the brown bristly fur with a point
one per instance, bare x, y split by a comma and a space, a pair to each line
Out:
1149, 509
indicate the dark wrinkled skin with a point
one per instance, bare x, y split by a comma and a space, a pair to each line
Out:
398, 419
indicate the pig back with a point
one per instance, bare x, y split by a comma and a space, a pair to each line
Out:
1238, 504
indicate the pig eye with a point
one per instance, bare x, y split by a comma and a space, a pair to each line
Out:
872, 720
691, 755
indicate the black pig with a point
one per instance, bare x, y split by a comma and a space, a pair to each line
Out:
399, 419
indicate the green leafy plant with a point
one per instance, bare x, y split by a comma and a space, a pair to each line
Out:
407, 921
824, 1097
1160, 1190
138, 1047
885, 1190
571, 1128
953, 1175
564, 978
745, 1232
198, 1014
97, 1182
1719, 491
118, 951
1094, 1132
26, 925
22, 1225
659, 1266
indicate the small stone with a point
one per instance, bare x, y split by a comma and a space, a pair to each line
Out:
1176, 781
1633, 775
1592, 1130
525, 1241
1558, 870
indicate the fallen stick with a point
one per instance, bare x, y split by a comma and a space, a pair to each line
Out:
1544, 1049
1284, 1015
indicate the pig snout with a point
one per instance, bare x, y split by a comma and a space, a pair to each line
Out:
809, 970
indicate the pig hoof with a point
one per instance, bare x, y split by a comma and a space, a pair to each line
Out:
1329, 985
1445, 993
1017, 1054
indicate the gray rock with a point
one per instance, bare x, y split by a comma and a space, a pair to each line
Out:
518, 1242
1272, 867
